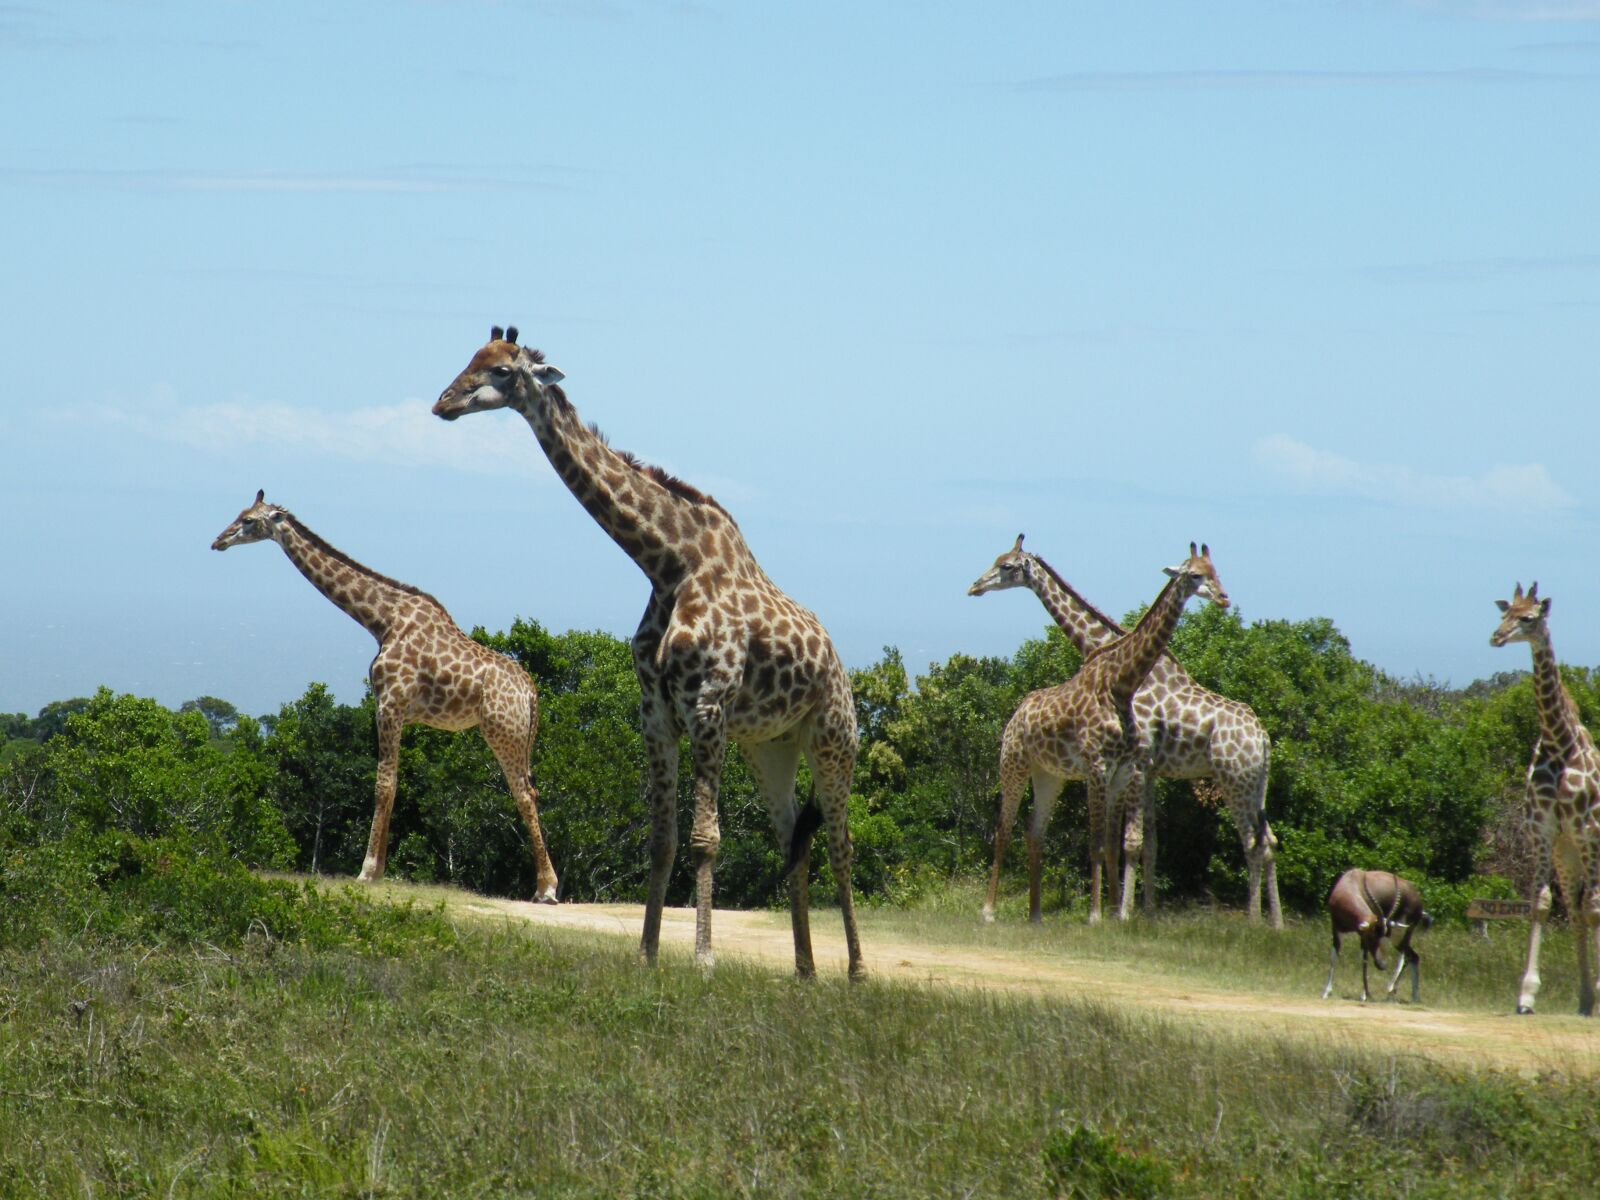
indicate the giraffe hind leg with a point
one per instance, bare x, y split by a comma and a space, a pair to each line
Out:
390, 726
773, 766
509, 743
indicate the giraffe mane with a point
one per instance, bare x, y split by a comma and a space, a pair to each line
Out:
1074, 593
658, 475
321, 543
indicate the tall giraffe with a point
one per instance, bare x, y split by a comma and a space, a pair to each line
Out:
1189, 731
1085, 729
1562, 823
721, 653
426, 670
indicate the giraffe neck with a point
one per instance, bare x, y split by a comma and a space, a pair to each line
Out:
1086, 627
370, 599
656, 526
1558, 716
1126, 663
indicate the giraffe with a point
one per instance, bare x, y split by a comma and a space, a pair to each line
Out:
721, 653
1085, 729
1190, 733
1563, 817
426, 670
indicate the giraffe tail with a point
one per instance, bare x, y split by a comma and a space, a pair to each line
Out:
806, 823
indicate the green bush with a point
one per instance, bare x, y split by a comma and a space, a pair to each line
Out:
1081, 1164
117, 886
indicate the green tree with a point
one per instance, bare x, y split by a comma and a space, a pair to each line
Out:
322, 760
127, 763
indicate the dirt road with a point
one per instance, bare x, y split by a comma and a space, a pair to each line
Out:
1530, 1045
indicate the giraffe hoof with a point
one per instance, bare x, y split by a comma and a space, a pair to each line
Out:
547, 896
1524, 1011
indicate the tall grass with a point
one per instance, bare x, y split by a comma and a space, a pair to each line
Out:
501, 1062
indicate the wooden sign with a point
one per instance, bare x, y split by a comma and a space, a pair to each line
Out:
1483, 909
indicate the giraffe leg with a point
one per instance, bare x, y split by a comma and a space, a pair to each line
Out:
831, 751
509, 742
1541, 913
1133, 835
773, 766
1583, 935
661, 752
389, 728
1147, 809
832, 769
1013, 778
1097, 821
1046, 789
708, 743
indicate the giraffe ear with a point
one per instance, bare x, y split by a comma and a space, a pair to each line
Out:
548, 375
1544, 607
1502, 605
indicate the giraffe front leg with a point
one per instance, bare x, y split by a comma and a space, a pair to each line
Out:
1012, 781
1097, 820
708, 742
1530, 976
1046, 788
1147, 807
389, 729
1588, 920
1133, 835
661, 752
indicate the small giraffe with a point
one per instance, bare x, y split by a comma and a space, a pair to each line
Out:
1563, 818
426, 670
1085, 729
1189, 731
720, 652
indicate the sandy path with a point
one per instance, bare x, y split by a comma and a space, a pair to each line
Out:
1530, 1045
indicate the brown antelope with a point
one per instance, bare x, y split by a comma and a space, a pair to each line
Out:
1375, 905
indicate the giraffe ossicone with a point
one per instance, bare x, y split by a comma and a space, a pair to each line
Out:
721, 653
426, 671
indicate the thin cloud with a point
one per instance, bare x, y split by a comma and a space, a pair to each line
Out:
1526, 485
406, 434
1280, 80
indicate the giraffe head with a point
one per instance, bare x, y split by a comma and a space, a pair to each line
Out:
501, 375
1524, 618
1008, 571
1196, 574
256, 523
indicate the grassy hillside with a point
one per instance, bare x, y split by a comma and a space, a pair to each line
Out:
414, 1056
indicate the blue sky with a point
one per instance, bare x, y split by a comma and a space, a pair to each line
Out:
1317, 283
